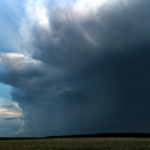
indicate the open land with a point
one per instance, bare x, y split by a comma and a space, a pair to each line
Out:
77, 144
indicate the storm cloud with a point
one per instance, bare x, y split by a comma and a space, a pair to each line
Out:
87, 68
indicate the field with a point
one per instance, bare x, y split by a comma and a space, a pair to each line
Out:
78, 144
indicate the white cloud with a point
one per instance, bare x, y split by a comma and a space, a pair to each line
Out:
15, 61
37, 12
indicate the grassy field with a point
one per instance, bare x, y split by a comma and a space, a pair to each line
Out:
77, 144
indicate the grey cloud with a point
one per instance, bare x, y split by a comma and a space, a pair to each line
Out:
11, 108
10, 119
8, 106
94, 75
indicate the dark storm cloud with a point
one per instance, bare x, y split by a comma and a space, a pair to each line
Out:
94, 72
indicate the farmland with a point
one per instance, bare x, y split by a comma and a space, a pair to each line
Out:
77, 144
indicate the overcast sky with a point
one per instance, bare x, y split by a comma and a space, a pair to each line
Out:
74, 67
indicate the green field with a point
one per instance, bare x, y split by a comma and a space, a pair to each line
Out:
78, 143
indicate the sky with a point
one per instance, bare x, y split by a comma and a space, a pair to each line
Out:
74, 67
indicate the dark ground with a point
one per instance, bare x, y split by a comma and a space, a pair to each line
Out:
102, 135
